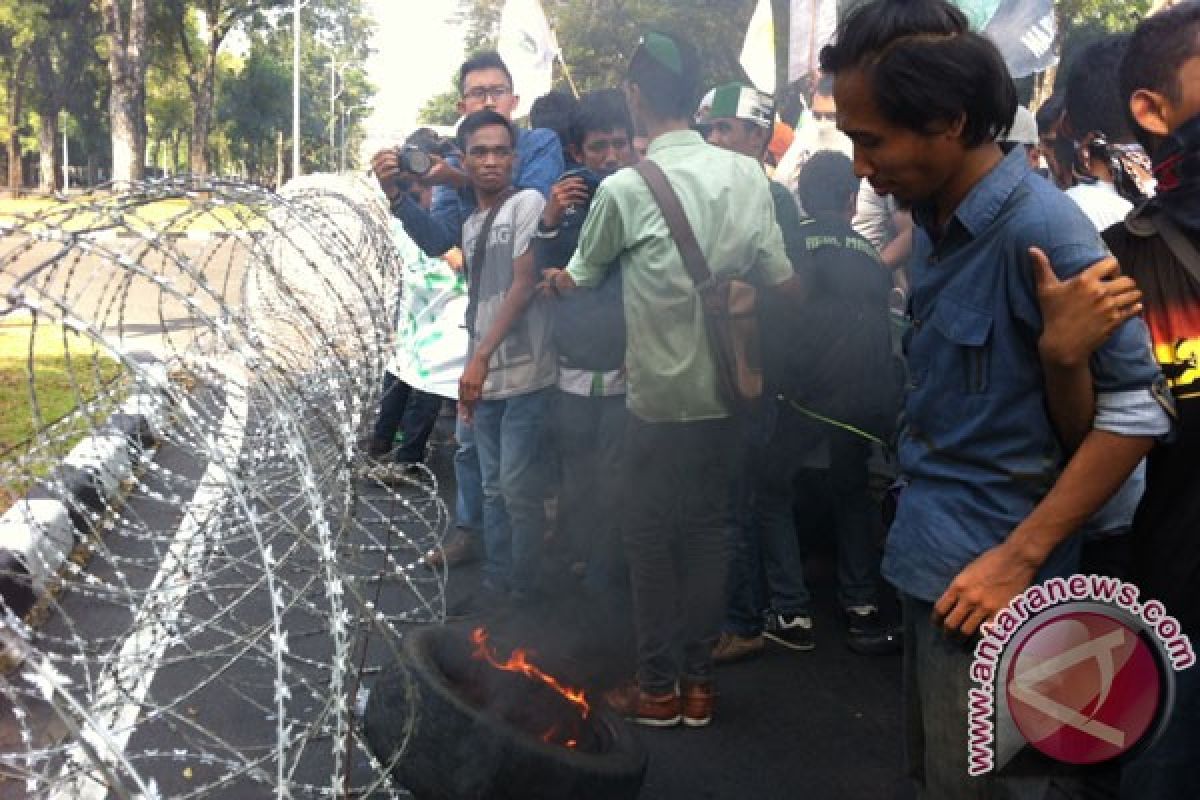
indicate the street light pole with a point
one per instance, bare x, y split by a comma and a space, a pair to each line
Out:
66, 156
295, 90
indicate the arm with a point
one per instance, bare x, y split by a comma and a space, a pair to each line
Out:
470, 386
1098, 468
896, 252
1079, 315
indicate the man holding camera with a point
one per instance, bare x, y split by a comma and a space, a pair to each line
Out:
589, 336
484, 83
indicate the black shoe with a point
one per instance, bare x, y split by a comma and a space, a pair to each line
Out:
794, 632
867, 635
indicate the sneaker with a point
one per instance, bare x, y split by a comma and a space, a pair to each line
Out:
792, 631
697, 701
656, 711
461, 548
397, 474
731, 647
867, 635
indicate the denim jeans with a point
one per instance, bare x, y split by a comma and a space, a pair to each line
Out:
402, 408
590, 434
779, 466
508, 437
936, 682
468, 483
675, 531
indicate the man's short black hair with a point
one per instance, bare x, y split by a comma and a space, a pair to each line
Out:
1094, 103
553, 111
664, 67
827, 183
479, 61
1049, 114
925, 66
482, 119
603, 110
1156, 52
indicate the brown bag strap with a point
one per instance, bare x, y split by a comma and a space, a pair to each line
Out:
677, 223
478, 253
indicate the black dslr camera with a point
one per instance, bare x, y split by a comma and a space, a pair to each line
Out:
413, 159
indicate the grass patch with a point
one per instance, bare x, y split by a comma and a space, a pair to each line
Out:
64, 369
173, 215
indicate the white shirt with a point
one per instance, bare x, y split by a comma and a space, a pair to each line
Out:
1100, 201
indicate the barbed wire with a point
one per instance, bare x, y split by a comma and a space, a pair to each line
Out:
190, 602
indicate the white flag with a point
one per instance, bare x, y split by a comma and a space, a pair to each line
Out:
758, 50
528, 48
813, 24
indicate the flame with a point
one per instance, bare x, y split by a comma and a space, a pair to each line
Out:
518, 661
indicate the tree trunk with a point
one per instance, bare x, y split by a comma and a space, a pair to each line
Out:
16, 92
50, 165
127, 97
202, 107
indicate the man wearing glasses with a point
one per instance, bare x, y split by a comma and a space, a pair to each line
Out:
484, 82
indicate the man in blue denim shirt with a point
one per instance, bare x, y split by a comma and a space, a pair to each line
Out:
993, 497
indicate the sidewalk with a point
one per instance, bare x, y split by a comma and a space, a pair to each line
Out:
824, 725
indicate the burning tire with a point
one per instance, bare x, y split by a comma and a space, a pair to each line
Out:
456, 727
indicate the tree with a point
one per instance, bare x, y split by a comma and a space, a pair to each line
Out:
597, 36
200, 51
441, 109
125, 40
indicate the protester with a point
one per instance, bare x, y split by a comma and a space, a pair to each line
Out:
510, 362
484, 82
739, 118
552, 111
1157, 78
1023, 133
680, 436
589, 338
924, 99
1107, 162
1055, 149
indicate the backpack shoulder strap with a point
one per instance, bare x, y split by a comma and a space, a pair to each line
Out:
1179, 243
677, 222
474, 267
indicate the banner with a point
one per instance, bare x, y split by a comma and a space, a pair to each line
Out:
1024, 30
431, 338
528, 48
758, 49
813, 24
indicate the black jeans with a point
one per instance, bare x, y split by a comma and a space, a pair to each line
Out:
590, 434
414, 411
676, 540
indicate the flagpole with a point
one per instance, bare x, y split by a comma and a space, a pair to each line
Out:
567, 75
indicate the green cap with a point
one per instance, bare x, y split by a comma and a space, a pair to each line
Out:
737, 101
663, 50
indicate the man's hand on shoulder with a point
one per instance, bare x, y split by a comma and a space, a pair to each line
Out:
1080, 313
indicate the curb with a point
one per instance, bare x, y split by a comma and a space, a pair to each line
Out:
39, 532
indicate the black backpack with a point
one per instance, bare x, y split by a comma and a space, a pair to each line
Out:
589, 326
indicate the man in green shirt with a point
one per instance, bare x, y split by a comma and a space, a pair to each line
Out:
681, 440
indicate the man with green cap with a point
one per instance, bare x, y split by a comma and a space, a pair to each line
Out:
681, 441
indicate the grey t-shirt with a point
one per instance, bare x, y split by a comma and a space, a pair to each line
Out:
525, 360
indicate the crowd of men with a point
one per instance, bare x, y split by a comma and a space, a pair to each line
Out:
1049, 410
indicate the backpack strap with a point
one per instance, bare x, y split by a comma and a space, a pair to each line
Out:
1179, 243
677, 223
478, 253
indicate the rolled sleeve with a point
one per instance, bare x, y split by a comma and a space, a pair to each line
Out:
1131, 413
